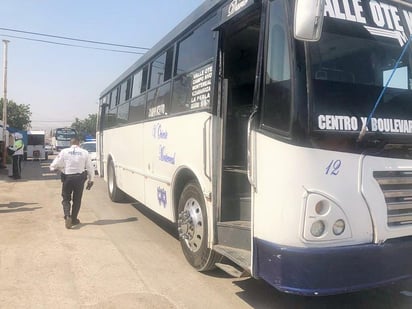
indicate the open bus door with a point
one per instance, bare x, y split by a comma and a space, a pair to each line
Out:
238, 49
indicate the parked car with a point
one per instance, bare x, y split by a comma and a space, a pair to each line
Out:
91, 148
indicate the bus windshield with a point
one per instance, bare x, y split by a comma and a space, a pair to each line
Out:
65, 134
350, 66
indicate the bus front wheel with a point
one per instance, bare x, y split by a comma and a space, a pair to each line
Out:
193, 229
116, 195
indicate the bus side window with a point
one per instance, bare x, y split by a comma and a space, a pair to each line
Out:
122, 113
194, 51
137, 84
157, 69
145, 74
137, 109
196, 48
276, 110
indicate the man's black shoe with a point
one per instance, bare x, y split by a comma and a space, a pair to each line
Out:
68, 222
75, 221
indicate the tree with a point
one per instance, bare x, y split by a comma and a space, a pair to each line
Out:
86, 126
18, 115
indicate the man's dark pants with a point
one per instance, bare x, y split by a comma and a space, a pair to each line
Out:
72, 189
17, 166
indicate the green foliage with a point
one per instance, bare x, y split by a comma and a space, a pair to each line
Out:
18, 115
86, 126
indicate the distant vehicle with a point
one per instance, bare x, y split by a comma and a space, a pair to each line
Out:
49, 149
91, 148
36, 145
61, 138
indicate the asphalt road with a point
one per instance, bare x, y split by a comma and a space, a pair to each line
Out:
123, 256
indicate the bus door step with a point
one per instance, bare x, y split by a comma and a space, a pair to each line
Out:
232, 270
239, 256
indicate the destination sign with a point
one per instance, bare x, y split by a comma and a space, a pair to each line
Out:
379, 18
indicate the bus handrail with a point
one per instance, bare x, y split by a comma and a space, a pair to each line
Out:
250, 156
206, 148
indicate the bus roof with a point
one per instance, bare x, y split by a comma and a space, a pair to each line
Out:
198, 13
38, 132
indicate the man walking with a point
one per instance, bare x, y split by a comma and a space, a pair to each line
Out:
76, 168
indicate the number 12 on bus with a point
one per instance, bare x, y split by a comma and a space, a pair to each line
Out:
277, 134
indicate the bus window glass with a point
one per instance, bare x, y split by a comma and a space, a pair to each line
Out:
157, 71
277, 92
169, 64
192, 90
111, 118
197, 48
123, 113
182, 87
122, 96
137, 84
128, 88
158, 101
137, 109
144, 79
350, 67
110, 100
113, 99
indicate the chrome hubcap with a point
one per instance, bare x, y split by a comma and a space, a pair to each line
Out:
190, 224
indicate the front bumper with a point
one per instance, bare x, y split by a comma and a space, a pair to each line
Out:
333, 270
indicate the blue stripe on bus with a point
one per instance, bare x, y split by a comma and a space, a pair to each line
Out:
327, 271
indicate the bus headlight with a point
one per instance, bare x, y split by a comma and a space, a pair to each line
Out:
339, 227
324, 220
317, 228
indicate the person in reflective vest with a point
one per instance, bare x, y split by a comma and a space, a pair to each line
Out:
17, 151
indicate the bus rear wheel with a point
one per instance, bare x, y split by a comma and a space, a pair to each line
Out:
116, 195
193, 229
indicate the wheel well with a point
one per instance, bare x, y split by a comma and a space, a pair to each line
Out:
109, 160
184, 176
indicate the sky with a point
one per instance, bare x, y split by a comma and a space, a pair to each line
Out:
62, 83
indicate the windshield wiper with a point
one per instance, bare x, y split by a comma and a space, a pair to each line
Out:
365, 125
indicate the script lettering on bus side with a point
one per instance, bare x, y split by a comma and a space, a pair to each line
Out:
159, 132
162, 196
201, 87
352, 123
235, 6
377, 17
164, 156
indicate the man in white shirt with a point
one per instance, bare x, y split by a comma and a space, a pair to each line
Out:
76, 167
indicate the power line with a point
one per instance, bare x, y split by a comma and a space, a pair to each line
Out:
71, 45
73, 39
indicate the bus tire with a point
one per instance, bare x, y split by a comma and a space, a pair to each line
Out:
116, 195
193, 229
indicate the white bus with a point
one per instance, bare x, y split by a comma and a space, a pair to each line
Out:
36, 145
61, 138
244, 126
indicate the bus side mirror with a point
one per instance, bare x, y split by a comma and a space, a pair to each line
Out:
309, 15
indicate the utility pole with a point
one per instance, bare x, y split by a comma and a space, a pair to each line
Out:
5, 42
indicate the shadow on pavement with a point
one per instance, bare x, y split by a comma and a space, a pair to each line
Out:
15, 207
32, 170
104, 222
166, 225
